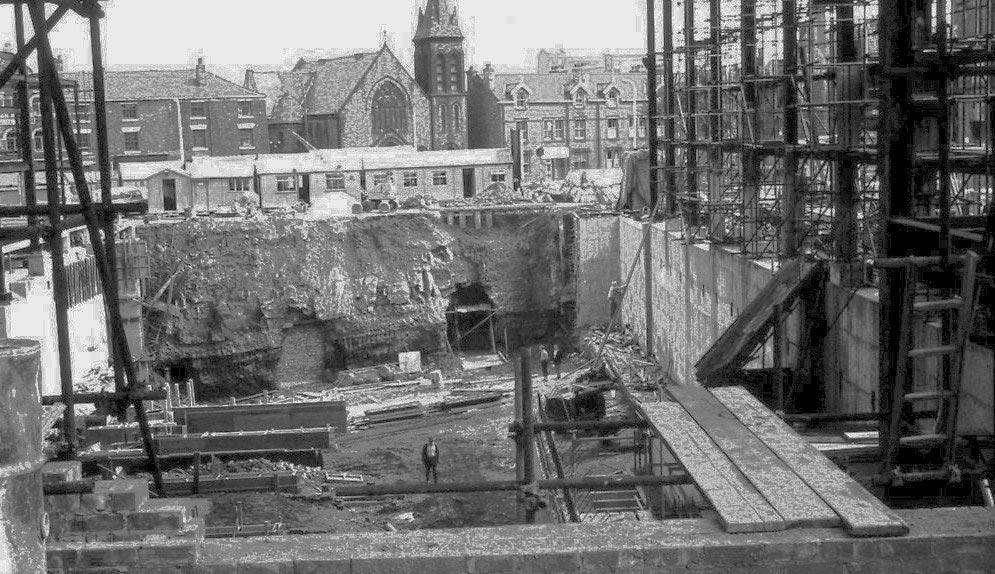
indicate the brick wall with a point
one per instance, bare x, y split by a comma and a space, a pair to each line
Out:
944, 540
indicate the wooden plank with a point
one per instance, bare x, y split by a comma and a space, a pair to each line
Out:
739, 506
862, 513
788, 494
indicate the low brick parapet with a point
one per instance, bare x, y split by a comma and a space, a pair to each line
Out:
940, 540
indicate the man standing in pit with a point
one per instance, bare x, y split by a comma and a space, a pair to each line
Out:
557, 358
544, 362
430, 458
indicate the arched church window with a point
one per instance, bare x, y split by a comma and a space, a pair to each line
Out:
442, 117
453, 77
457, 113
389, 111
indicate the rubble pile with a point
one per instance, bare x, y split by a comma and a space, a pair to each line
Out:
600, 187
620, 358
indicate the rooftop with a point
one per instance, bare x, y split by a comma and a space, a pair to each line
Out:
133, 85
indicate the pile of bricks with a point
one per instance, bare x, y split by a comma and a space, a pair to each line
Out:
118, 525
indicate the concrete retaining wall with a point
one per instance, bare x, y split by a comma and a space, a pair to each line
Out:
597, 266
941, 540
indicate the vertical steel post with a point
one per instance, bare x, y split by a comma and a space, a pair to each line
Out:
528, 429
24, 129
60, 286
651, 111
670, 161
792, 210
714, 183
895, 155
847, 130
749, 130
778, 344
691, 107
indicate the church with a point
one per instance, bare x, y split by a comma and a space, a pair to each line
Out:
370, 99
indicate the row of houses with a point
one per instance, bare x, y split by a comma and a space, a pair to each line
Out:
341, 176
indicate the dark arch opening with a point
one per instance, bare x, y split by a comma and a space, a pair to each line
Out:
470, 318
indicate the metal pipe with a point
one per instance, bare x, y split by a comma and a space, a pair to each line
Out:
60, 284
651, 111
603, 424
607, 483
528, 441
90, 398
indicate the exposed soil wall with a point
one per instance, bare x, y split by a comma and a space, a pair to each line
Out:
372, 287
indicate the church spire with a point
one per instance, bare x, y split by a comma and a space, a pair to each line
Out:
438, 20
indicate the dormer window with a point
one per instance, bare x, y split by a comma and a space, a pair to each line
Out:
611, 98
522, 99
580, 98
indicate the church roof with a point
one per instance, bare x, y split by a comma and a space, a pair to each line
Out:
438, 20
334, 80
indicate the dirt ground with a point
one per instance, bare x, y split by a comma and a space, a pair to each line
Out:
473, 445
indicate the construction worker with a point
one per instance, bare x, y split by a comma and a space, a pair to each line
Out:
544, 362
615, 295
557, 358
430, 458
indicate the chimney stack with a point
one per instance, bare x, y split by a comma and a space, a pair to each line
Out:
488, 74
250, 80
199, 72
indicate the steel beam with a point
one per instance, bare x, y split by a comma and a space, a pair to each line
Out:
604, 483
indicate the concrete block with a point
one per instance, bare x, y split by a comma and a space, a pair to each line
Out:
62, 503
123, 494
61, 557
105, 522
491, 564
91, 503
61, 471
343, 566
110, 555
599, 561
160, 520
169, 552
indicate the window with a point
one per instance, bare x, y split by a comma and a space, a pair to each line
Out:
439, 178
410, 179
198, 139
580, 159
552, 130
286, 183
245, 108
6, 99
611, 98
612, 128
84, 112
580, 129
35, 105
335, 180
198, 109
526, 163
11, 141
457, 112
580, 98
453, 77
614, 157
498, 176
83, 141
129, 111
38, 141
440, 72
522, 99
389, 113
131, 142
442, 117
641, 127
381, 178
239, 184
523, 128
246, 138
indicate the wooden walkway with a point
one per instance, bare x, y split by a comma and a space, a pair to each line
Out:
756, 471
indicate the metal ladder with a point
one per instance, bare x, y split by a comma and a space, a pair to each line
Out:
947, 392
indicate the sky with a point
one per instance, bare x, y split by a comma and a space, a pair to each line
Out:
234, 34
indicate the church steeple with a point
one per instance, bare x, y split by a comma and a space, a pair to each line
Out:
438, 20
440, 71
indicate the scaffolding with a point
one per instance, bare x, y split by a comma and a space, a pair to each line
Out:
853, 131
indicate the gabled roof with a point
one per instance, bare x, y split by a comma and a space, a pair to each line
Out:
285, 94
334, 80
438, 20
553, 87
136, 85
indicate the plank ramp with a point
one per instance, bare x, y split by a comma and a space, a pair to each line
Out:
741, 508
788, 494
861, 513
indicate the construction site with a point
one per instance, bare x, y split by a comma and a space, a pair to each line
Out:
774, 353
